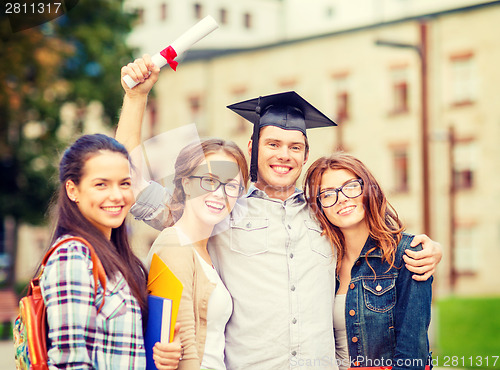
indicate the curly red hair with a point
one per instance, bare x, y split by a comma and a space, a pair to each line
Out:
382, 219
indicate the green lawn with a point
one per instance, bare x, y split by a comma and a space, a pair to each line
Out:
468, 333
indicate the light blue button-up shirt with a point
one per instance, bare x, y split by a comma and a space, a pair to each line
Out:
280, 272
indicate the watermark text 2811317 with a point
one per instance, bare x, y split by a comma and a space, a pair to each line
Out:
24, 14
32, 8
467, 361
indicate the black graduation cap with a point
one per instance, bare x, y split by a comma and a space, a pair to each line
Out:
287, 110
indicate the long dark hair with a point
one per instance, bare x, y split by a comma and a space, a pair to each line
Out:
383, 222
116, 254
189, 158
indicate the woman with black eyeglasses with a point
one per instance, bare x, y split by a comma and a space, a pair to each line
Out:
207, 184
209, 178
381, 314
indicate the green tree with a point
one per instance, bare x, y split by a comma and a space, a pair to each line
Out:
76, 57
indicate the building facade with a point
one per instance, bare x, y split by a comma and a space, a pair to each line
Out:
250, 23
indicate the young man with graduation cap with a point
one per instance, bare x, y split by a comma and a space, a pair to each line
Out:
271, 256
278, 268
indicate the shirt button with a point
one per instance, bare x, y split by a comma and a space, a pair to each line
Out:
292, 288
358, 263
294, 321
378, 288
354, 339
294, 353
351, 286
249, 225
352, 312
291, 255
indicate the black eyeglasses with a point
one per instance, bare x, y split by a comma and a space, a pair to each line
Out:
232, 189
351, 189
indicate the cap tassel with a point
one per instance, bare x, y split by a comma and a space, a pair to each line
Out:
255, 152
255, 147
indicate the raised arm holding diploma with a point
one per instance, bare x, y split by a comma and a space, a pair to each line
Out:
179, 46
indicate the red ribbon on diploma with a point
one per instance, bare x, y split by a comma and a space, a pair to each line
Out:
169, 54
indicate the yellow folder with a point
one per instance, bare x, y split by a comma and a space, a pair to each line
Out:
163, 283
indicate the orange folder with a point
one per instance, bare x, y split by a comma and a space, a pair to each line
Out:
163, 283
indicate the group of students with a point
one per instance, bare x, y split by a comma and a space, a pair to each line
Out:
315, 279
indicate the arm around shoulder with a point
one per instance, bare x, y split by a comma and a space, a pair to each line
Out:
423, 263
151, 205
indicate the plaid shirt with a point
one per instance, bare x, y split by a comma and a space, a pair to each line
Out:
79, 337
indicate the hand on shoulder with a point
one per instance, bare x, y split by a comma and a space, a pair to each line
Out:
423, 263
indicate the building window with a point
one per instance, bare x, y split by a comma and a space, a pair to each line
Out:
401, 169
223, 16
330, 12
194, 105
287, 83
153, 116
140, 16
466, 253
247, 20
342, 98
195, 112
342, 101
463, 74
240, 125
465, 160
163, 11
399, 78
197, 11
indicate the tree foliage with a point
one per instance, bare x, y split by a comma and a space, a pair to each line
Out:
74, 58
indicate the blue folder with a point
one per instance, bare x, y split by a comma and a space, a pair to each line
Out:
158, 327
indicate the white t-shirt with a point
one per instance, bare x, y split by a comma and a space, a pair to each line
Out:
220, 308
341, 350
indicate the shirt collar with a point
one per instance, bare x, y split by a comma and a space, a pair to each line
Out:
369, 244
297, 196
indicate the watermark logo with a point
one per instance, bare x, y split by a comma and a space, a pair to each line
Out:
25, 14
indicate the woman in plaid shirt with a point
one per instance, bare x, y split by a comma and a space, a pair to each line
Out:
94, 197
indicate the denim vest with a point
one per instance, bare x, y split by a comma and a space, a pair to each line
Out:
387, 313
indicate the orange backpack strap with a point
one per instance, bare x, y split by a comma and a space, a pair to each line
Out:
97, 268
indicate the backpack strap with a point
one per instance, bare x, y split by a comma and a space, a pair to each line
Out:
97, 268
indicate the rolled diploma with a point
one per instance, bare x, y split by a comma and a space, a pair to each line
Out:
183, 43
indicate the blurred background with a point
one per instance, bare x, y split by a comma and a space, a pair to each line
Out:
414, 86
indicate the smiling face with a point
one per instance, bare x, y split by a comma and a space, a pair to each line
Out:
211, 207
282, 153
104, 194
347, 213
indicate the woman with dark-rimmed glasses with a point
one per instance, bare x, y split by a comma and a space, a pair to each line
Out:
207, 183
209, 177
381, 314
